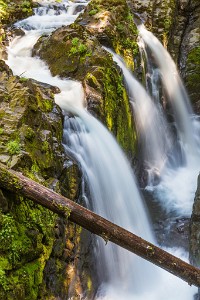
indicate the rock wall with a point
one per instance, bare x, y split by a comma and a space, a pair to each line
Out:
34, 241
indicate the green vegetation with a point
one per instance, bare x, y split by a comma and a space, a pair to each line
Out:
13, 147
193, 73
75, 41
78, 47
29, 133
93, 12
21, 246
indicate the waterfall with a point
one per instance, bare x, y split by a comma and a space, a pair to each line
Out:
110, 180
153, 131
175, 91
178, 181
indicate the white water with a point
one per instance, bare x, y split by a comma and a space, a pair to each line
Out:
109, 176
178, 185
153, 132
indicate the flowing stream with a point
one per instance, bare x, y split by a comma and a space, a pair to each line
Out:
109, 177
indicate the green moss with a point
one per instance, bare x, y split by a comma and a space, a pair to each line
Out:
13, 147
93, 12
35, 168
26, 242
45, 104
117, 110
79, 48
75, 41
192, 78
1, 131
29, 133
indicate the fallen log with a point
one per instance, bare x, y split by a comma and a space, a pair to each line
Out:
17, 183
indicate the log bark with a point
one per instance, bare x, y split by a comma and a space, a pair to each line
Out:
17, 183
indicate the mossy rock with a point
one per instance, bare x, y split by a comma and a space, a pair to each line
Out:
192, 77
31, 142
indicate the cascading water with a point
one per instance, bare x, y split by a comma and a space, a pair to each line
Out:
151, 125
174, 89
104, 166
177, 187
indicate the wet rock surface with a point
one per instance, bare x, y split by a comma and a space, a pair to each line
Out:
31, 142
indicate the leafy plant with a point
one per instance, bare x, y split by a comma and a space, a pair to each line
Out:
93, 12
78, 48
82, 48
13, 147
75, 41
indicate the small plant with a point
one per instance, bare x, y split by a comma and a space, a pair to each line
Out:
93, 12
29, 133
1, 131
78, 48
82, 48
35, 168
73, 50
120, 27
75, 41
13, 147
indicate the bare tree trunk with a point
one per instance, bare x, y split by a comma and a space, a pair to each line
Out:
17, 183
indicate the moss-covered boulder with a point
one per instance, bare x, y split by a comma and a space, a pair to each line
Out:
30, 235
